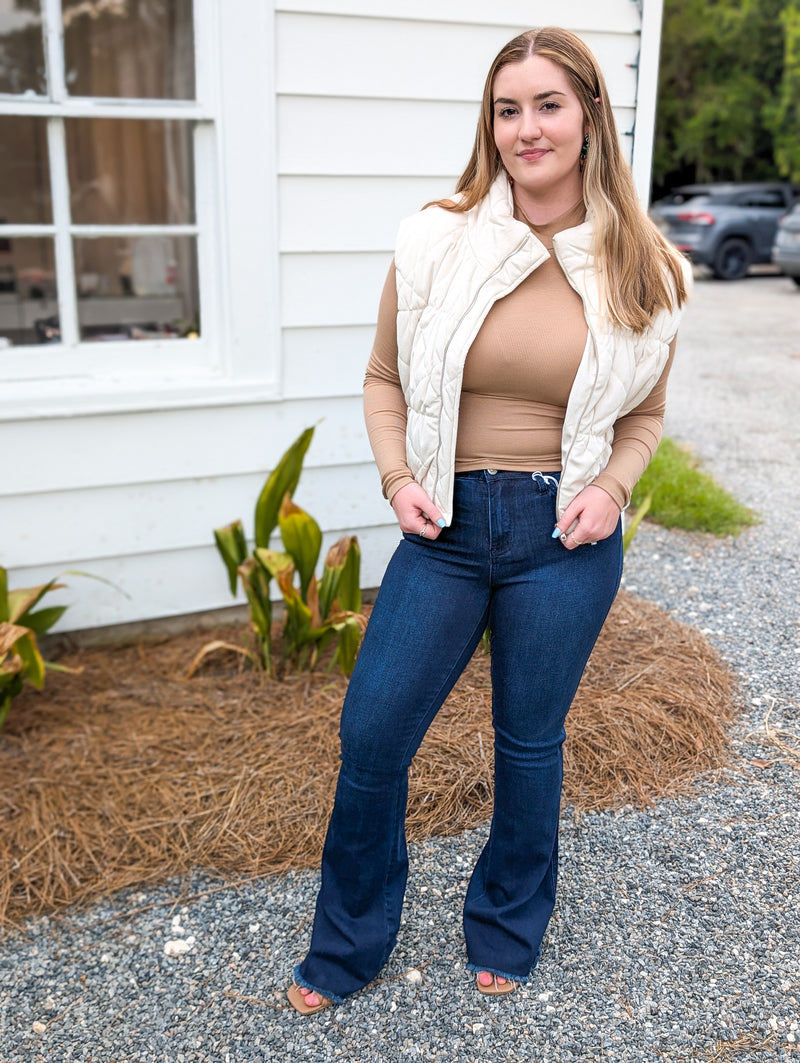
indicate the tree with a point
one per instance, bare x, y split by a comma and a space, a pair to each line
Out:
783, 118
729, 85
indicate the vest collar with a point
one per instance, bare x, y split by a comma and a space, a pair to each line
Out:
494, 231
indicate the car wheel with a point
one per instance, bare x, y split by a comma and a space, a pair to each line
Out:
796, 281
732, 260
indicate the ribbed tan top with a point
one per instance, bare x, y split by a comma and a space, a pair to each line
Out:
517, 379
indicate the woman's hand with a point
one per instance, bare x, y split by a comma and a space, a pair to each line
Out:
416, 513
592, 515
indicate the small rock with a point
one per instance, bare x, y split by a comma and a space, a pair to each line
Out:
177, 947
39, 1027
414, 976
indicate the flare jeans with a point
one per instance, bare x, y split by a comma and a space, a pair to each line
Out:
496, 565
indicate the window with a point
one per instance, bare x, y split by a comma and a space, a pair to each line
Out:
765, 198
115, 186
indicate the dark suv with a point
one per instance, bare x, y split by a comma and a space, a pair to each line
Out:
727, 227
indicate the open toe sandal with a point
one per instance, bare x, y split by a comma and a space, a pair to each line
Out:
298, 1001
495, 988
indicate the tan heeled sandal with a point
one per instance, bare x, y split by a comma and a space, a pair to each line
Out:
298, 1000
495, 988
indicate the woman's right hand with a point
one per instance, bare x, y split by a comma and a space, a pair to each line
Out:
415, 512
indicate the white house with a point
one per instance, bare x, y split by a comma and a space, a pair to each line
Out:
198, 202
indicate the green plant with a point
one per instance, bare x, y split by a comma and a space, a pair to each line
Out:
682, 496
633, 526
21, 625
316, 612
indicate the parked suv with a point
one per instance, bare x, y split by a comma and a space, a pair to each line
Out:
727, 227
786, 249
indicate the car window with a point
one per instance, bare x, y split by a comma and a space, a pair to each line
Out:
696, 199
678, 197
762, 199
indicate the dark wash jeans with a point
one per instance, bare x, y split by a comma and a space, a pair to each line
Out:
496, 564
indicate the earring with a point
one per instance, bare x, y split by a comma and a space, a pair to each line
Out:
584, 149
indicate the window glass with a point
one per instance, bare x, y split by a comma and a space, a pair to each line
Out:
130, 171
142, 287
25, 179
28, 303
141, 49
22, 66
762, 199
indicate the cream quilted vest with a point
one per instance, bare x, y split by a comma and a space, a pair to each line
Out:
450, 269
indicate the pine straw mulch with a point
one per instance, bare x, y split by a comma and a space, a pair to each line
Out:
130, 772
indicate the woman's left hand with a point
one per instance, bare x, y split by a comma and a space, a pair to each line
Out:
592, 515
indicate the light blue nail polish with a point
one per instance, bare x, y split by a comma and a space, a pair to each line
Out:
442, 522
556, 532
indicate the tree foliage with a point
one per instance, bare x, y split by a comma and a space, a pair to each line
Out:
729, 91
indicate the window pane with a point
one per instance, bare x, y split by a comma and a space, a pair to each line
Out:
24, 178
130, 171
137, 287
28, 305
135, 48
22, 66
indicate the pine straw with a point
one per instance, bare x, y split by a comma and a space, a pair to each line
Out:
131, 773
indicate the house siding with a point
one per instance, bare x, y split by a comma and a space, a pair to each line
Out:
375, 110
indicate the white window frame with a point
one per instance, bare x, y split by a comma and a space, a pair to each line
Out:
236, 357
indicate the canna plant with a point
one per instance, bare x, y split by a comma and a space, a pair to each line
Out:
316, 611
21, 624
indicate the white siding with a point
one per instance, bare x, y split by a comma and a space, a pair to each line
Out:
375, 110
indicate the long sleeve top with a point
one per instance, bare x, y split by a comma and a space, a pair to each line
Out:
517, 380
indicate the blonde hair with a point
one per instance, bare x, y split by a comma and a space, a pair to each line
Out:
635, 262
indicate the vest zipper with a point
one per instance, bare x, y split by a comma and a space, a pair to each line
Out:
593, 338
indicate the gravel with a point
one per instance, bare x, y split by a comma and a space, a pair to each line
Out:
676, 935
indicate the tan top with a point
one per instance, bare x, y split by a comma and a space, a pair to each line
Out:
517, 379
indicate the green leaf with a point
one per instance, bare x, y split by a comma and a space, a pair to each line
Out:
302, 539
328, 586
297, 630
281, 481
347, 648
52, 666
255, 581
274, 562
332, 574
232, 546
341, 577
630, 532
99, 579
349, 595
32, 660
22, 600
43, 619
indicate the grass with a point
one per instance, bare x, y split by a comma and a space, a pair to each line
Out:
682, 496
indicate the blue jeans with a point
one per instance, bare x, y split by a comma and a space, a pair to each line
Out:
495, 565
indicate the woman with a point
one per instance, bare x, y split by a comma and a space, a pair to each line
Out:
514, 395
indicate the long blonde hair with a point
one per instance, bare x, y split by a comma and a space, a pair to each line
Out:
635, 262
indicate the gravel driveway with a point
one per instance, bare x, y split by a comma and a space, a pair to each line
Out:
677, 935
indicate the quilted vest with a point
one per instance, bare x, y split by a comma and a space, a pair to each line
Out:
451, 268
